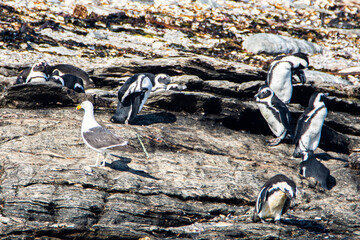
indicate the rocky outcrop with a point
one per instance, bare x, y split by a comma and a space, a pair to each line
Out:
277, 44
207, 160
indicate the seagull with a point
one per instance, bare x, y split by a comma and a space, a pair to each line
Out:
98, 137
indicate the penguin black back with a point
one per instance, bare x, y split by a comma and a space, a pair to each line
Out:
70, 81
309, 125
73, 70
274, 198
132, 97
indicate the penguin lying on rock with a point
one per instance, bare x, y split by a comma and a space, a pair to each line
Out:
42, 72
35, 73
68, 80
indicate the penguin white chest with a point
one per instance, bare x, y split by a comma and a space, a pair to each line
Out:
311, 137
274, 206
276, 126
281, 83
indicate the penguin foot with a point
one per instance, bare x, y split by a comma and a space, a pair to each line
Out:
277, 222
274, 141
255, 217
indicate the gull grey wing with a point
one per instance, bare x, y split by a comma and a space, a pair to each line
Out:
102, 138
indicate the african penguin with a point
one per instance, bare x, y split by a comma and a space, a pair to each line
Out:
23, 75
309, 126
132, 97
47, 70
37, 72
310, 167
68, 80
276, 114
160, 82
274, 198
73, 70
279, 79
299, 60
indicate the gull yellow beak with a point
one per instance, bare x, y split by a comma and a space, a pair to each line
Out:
78, 107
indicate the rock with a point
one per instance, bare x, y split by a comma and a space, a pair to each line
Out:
276, 44
206, 68
47, 94
177, 192
316, 77
354, 160
350, 71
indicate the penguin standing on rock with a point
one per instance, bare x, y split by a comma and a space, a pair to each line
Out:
310, 167
309, 125
275, 113
300, 61
274, 198
134, 93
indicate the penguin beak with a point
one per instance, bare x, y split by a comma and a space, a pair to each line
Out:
301, 76
78, 107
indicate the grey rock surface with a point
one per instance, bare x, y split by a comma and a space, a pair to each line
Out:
207, 144
277, 44
208, 160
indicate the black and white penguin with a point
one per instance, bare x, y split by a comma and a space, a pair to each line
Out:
310, 167
37, 73
47, 70
132, 97
64, 69
160, 82
68, 80
279, 79
21, 79
274, 198
309, 125
299, 60
276, 114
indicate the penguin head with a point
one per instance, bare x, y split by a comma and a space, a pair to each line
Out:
317, 99
162, 79
303, 59
264, 94
40, 66
56, 79
307, 155
299, 60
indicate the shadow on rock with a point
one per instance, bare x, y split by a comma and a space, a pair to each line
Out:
122, 165
305, 224
331, 182
325, 157
148, 119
